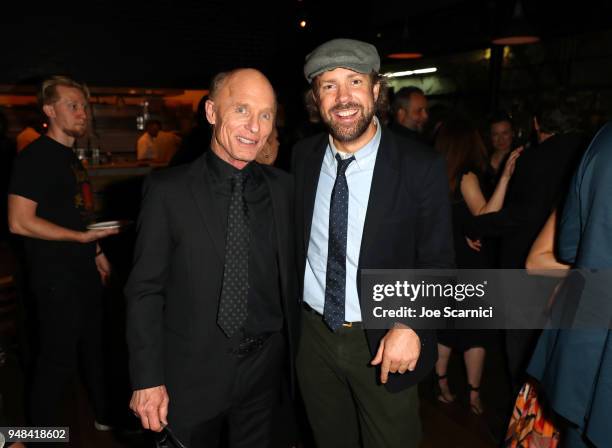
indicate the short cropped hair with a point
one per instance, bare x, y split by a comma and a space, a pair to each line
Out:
48, 89
217, 83
401, 100
556, 119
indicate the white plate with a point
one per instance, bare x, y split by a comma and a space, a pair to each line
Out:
107, 225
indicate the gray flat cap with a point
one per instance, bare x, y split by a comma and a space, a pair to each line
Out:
355, 55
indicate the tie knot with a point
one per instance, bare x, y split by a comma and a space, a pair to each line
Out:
343, 164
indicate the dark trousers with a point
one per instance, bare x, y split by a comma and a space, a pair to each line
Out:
255, 395
65, 317
345, 405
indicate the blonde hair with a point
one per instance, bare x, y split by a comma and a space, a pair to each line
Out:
48, 89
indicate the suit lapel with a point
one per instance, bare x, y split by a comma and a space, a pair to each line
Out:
384, 177
280, 212
312, 171
202, 195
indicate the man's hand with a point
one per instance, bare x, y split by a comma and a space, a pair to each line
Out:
95, 235
474, 244
104, 267
399, 351
151, 406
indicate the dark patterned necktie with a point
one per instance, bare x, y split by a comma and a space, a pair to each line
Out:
233, 304
335, 280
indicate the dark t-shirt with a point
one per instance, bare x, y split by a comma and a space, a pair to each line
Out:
51, 175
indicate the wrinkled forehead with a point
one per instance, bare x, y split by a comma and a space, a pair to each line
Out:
249, 89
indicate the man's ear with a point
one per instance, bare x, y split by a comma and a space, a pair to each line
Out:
376, 91
400, 115
211, 113
49, 110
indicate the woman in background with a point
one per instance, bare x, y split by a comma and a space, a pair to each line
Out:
473, 193
269, 153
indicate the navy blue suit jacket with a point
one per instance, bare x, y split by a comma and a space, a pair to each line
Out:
407, 225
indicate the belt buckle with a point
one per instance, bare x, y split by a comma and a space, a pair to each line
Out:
347, 324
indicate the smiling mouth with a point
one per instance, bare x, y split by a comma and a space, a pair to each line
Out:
246, 141
346, 113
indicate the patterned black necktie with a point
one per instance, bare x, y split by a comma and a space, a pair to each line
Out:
335, 280
233, 304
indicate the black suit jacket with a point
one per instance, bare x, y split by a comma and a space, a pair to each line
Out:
407, 225
174, 288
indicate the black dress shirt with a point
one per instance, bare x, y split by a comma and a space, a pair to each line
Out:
407, 132
264, 301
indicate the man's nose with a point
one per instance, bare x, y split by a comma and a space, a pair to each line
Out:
344, 94
253, 124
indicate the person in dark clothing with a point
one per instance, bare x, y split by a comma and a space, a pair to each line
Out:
409, 109
574, 365
198, 140
473, 193
7, 154
50, 204
366, 198
212, 297
542, 177
501, 135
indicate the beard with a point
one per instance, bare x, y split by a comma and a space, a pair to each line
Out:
344, 133
76, 132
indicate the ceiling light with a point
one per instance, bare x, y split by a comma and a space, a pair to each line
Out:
517, 31
405, 55
420, 71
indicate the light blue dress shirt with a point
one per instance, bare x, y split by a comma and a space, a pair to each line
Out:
359, 179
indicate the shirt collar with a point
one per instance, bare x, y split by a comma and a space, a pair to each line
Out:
364, 156
222, 172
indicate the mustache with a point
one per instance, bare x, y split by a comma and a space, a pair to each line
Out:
345, 106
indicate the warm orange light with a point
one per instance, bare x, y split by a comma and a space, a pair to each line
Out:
516, 40
303, 24
413, 55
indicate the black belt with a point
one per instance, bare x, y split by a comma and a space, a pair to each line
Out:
249, 344
311, 310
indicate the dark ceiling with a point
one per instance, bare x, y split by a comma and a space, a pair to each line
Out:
183, 44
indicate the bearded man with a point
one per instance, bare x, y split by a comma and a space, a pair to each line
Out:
50, 204
365, 199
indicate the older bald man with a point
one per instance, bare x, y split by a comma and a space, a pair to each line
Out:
212, 294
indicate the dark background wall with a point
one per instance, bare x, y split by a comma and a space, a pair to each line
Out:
182, 44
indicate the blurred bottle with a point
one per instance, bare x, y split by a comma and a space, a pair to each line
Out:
95, 156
